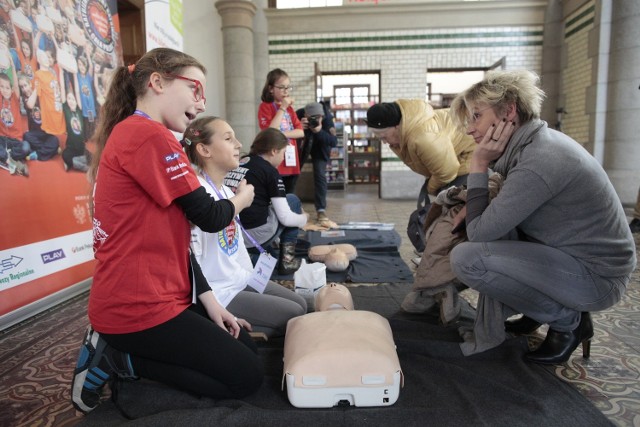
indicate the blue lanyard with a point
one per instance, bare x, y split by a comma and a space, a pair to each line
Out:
237, 218
142, 114
286, 112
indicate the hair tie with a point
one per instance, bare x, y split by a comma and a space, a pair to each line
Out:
131, 68
186, 141
195, 132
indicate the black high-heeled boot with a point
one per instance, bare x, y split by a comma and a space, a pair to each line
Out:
522, 326
558, 346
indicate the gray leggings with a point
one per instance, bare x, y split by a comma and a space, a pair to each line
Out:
268, 312
541, 282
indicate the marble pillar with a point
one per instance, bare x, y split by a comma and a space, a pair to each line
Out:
260, 50
551, 77
237, 35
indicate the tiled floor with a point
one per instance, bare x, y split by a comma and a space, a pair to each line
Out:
609, 378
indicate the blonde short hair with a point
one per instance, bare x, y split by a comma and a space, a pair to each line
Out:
499, 88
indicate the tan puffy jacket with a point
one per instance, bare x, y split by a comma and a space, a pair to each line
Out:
431, 145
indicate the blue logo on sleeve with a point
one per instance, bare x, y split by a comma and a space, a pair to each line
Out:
171, 157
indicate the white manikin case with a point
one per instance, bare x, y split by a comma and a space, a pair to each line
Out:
340, 358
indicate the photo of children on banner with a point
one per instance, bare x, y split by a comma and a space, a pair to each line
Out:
13, 148
46, 53
42, 145
75, 155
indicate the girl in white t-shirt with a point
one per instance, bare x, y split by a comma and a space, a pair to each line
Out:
212, 147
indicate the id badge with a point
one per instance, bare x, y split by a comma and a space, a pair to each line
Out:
290, 155
262, 272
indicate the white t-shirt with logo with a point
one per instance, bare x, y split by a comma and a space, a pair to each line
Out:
222, 256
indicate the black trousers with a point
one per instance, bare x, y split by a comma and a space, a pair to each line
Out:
194, 354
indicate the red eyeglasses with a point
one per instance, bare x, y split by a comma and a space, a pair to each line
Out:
198, 90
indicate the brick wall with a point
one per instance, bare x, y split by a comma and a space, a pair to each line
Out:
577, 74
403, 59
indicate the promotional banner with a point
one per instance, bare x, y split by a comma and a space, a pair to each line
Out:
163, 23
56, 58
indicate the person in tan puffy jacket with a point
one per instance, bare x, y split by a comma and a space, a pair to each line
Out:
426, 140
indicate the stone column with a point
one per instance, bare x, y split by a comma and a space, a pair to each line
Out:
237, 36
552, 64
260, 50
621, 107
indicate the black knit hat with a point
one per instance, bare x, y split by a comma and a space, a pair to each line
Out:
384, 115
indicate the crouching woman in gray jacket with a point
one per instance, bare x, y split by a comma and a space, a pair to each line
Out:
573, 254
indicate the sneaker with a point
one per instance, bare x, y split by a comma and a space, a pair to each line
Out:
12, 165
322, 216
416, 260
16, 167
21, 168
322, 220
634, 225
97, 363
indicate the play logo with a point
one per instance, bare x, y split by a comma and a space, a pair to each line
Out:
171, 157
48, 257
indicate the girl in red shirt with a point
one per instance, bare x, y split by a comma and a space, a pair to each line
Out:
276, 111
151, 310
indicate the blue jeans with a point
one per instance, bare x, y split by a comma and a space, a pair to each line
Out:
286, 234
290, 234
320, 184
19, 149
45, 145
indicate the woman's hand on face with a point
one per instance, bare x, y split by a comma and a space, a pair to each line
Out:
496, 139
492, 145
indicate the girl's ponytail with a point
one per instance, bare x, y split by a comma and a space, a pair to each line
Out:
120, 103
